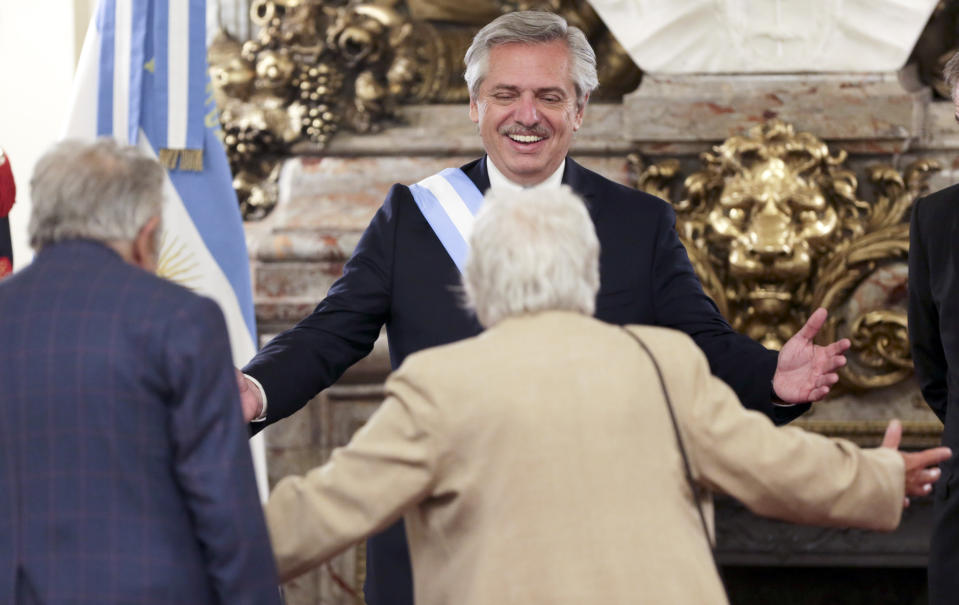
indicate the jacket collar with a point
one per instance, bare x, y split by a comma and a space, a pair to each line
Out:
582, 181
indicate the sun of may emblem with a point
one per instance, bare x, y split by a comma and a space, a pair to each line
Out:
177, 263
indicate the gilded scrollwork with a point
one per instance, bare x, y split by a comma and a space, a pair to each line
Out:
775, 228
317, 68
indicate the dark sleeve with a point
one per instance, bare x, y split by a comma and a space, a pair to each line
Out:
680, 303
212, 459
924, 336
341, 330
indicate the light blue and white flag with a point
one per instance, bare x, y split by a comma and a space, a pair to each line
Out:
142, 79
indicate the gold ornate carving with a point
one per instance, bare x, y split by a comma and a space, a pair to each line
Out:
774, 228
317, 68
869, 433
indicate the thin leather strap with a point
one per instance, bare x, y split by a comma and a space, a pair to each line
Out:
682, 449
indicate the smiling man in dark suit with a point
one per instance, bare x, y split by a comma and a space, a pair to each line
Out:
530, 76
125, 473
934, 335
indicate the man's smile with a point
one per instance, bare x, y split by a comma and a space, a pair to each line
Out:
525, 138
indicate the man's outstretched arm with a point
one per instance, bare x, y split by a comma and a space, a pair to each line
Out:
341, 330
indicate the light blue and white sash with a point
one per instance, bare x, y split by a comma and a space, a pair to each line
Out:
449, 201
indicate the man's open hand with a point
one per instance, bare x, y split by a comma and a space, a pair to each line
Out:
805, 371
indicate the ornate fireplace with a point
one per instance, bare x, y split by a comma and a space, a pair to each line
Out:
792, 191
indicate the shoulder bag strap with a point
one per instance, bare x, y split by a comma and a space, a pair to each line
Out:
682, 450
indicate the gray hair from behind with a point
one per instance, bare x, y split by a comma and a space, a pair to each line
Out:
950, 73
532, 27
100, 191
530, 251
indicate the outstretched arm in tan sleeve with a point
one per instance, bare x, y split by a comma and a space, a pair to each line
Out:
785, 472
388, 465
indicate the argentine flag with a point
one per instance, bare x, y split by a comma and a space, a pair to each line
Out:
142, 79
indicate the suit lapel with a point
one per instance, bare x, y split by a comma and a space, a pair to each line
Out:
574, 175
476, 171
583, 183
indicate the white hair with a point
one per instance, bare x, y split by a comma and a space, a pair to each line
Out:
101, 191
531, 251
532, 27
950, 73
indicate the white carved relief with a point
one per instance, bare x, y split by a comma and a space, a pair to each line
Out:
771, 36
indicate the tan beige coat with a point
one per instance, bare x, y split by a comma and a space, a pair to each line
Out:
536, 463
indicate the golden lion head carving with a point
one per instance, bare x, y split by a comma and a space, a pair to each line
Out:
774, 228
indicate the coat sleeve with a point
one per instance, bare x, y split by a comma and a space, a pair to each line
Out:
924, 335
680, 303
341, 330
212, 458
389, 464
780, 472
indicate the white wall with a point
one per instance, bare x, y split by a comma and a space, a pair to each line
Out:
39, 47
40, 43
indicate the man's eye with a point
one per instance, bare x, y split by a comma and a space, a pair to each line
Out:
503, 97
552, 99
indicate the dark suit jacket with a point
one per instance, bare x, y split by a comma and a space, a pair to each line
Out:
125, 470
401, 275
934, 335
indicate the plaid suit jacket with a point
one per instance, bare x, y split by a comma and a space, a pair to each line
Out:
125, 474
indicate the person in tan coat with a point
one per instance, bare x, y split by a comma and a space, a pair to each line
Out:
537, 462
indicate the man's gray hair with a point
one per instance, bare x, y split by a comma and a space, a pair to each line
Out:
950, 73
532, 27
100, 191
531, 251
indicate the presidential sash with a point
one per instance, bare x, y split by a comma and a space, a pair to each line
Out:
449, 201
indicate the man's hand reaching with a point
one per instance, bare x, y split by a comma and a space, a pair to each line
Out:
805, 371
919, 477
249, 397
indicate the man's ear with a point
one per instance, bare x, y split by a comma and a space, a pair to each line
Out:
474, 111
580, 110
145, 247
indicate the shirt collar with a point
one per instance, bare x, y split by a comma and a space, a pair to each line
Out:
497, 180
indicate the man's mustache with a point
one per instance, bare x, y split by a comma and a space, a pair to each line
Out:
534, 131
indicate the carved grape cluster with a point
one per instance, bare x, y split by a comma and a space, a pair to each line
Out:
317, 88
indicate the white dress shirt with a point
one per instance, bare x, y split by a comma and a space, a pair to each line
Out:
498, 181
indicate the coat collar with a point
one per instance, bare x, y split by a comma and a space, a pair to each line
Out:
581, 180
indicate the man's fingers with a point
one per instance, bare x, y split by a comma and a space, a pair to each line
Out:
827, 380
813, 324
833, 363
928, 457
919, 478
839, 347
893, 436
249, 398
818, 393
836, 362
919, 488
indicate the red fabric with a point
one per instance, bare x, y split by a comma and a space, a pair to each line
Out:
6, 267
8, 190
